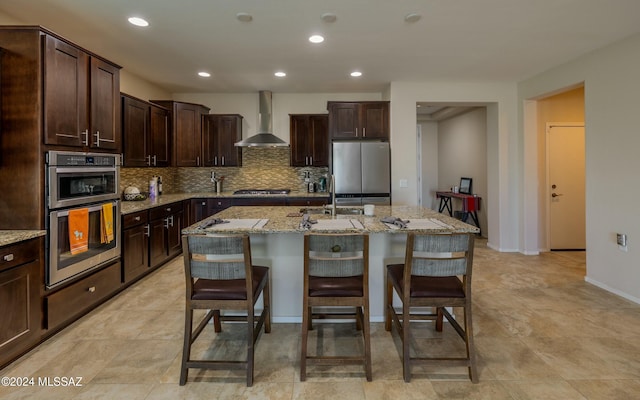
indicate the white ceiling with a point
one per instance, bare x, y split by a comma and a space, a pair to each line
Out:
455, 40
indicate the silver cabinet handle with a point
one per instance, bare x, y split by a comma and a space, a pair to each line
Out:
166, 223
148, 160
215, 160
97, 135
198, 161
147, 230
222, 160
154, 160
85, 142
204, 203
356, 131
8, 257
171, 218
311, 160
168, 209
364, 132
137, 218
91, 289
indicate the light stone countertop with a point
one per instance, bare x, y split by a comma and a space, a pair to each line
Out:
287, 220
128, 207
8, 237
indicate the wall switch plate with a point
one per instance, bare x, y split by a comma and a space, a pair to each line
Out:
404, 183
621, 239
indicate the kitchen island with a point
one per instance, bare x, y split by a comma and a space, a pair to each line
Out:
277, 241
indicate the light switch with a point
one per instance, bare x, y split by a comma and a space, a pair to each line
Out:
404, 183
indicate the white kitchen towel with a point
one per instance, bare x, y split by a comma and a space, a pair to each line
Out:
337, 224
428, 223
239, 224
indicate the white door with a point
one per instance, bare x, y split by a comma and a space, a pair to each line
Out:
566, 186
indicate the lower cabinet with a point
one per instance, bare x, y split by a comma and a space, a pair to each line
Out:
307, 201
69, 302
206, 207
20, 283
135, 245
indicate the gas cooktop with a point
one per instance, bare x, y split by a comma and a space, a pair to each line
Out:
262, 191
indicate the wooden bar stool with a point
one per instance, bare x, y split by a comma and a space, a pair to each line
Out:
220, 276
429, 277
336, 274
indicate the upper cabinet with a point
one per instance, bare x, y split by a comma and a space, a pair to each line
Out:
145, 133
186, 123
81, 98
219, 135
309, 140
359, 120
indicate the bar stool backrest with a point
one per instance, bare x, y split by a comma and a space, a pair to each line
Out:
335, 255
219, 257
439, 254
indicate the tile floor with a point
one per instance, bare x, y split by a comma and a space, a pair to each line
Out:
541, 333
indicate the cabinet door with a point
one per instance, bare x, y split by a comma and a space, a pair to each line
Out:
299, 139
66, 103
187, 135
199, 210
135, 252
319, 140
157, 242
105, 105
159, 140
343, 120
20, 318
209, 141
134, 128
174, 237
229, 132
375, 120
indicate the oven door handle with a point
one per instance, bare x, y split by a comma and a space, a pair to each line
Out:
91, 209
66, 170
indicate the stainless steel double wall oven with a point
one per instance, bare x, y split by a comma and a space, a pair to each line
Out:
78, 181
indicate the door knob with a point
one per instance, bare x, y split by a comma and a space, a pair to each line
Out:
555, 194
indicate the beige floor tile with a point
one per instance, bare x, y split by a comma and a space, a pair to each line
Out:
534, 390
351, 390
608, 389
485, 390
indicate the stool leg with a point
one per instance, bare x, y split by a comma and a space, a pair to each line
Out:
388, 305
306, 310
366, 331
439, 319
186, 349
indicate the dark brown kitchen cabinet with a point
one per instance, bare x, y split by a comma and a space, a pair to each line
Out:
206, 207
145, 133
165, 225
307, 201
20, 283
81, 98
309, 138
135, 245
219, 135
186, 125
359, 120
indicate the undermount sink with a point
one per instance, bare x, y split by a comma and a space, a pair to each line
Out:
339, 210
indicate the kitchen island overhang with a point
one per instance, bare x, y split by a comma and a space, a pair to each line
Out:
278, 243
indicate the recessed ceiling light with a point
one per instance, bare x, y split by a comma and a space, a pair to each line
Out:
412, 17
316, 39
204, 74
280, 74
244, 17
356, 73
137, 21
329, 17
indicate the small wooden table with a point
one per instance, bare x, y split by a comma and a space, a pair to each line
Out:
470, 205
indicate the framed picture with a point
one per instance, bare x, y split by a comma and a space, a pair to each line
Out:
465, 185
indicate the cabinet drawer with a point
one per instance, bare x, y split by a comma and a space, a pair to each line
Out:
220, 203
134, 219
69, 302
164, 211
18, 254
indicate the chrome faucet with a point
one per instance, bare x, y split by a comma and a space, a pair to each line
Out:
333, 195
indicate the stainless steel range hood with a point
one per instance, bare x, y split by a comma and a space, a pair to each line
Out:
264, 138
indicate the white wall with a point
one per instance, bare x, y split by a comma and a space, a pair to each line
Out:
141, 88
503, 157
610, 77
429, 163
283, 104
462, 146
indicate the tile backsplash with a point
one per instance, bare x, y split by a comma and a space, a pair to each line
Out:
262, 168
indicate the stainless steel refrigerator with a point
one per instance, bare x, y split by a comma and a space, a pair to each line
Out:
362, 172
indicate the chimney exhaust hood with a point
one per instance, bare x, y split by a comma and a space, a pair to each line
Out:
264, 138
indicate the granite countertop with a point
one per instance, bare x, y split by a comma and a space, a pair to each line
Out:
128, 207
8, 237
287, 220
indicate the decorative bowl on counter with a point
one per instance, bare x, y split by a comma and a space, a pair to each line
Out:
132, 193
